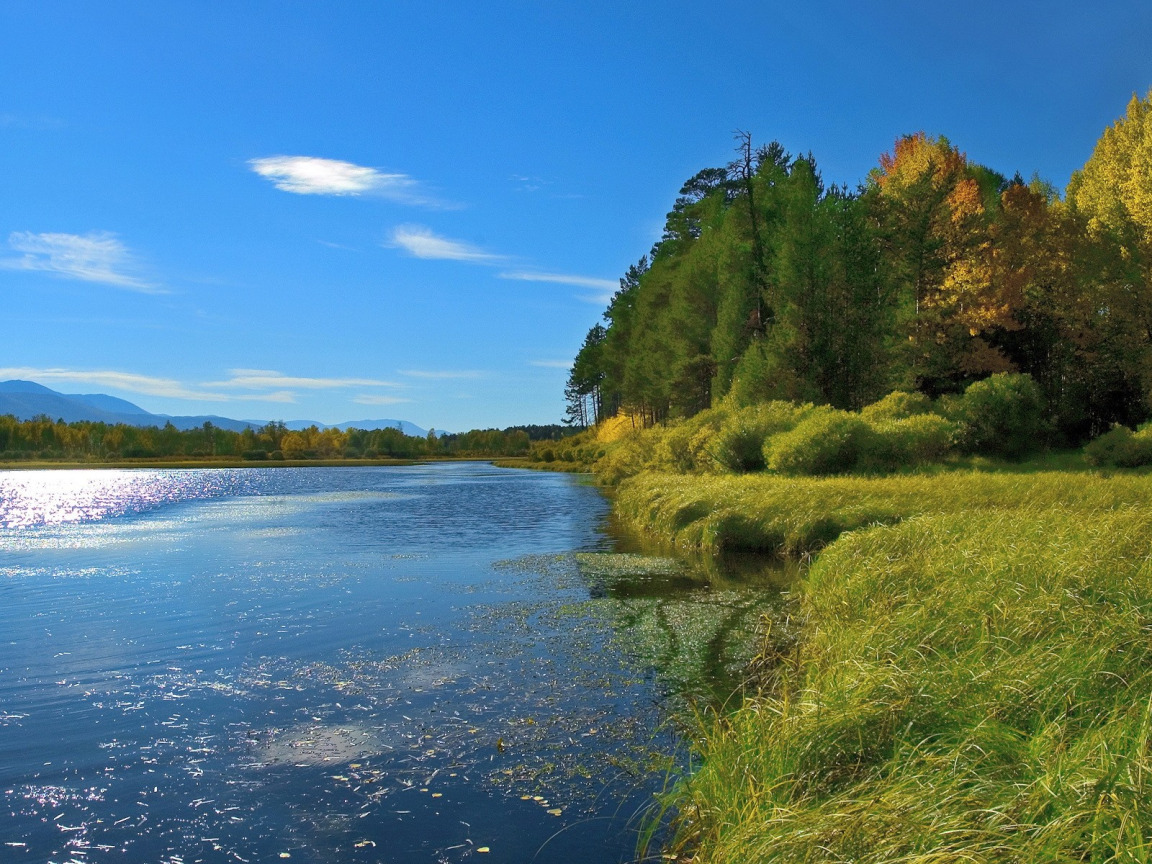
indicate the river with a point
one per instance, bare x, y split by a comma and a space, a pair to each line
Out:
426, 663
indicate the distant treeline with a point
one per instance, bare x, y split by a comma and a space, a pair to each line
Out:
936, 272
44, 438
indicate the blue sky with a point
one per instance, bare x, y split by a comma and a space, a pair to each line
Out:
297, 210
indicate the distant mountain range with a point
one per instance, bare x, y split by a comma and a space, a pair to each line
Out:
27, 399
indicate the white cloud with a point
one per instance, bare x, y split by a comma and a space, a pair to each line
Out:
247, 379
551, 364
562, 279
127, 381
378, 400
258, 379
278, 396
440, 375
312, 175
527, 183
94, 257
420, 242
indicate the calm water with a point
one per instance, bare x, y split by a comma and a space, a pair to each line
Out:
415, 664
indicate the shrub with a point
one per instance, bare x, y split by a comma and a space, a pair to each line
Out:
739, 445
898, 405
548, 454
919, 439
826, 442
1001, 415
628, 455
687, 447
254, 455
1120, 447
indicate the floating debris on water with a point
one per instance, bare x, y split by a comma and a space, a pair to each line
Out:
317, 744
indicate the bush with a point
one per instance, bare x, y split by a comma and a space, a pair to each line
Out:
687, 446
826, 442
629, 455
919, 439
1120, 447
898, 405
739, 445
254, 455
1001, 415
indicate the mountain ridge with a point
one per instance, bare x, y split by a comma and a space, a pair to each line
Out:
28, 399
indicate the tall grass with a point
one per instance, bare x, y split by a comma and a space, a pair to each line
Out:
973, 685
799, 515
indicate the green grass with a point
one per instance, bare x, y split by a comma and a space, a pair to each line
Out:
966, 675
798, 516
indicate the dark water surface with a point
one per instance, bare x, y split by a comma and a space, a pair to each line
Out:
404, 664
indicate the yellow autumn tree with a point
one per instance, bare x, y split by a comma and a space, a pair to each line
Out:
1114, 189
939, 210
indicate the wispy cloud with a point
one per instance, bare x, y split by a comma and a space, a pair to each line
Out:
260, 379
441, 374
278, 396
378, 400
340, 246
562, 279
421, 242
127, 381
94, 257
313, 175
551, 364
526, 183
256, 380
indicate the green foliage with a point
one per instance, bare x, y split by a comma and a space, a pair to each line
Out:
1003, 414
88, 441
1120, 447
971, 682
798, 515
767, 285
688, 446
739, 443
825, 442
897, 406
919, 439
629, 456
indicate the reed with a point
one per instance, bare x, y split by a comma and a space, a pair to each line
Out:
968, 686
799, 515
966, 674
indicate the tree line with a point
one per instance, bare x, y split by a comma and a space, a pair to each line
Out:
934, 273
44, 438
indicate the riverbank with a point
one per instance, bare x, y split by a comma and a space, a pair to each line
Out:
965, 672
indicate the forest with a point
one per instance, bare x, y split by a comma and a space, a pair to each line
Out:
44, 438
864, 382
934, 273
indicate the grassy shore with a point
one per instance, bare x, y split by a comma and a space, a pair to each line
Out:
966, 675
798, 516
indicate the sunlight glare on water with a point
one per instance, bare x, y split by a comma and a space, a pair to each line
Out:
30, 498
